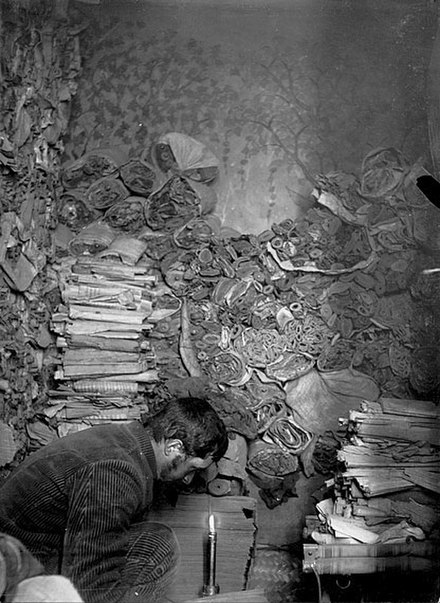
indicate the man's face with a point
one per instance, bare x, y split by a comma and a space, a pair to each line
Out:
180, 467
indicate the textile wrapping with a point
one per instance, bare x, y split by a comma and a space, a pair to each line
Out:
74, 211
383, 171
105, 192
92, 239
269, 460
127, 215
80, 173
288, 435
317, 400
139, 177
172, 206
231, 408
181, 154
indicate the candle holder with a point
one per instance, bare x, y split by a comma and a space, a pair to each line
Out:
210, 591
211, 588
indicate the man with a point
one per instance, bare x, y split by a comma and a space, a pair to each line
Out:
79, 504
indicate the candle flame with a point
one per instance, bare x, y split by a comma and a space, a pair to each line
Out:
211, 522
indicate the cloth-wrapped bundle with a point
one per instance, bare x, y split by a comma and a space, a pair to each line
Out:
139, 177
125, 248
265, 459
92, 239
266, 401
80, 173
158, 244
172, 206
176, 153
317, 399
106, 192
127, 215
227, 368
289, 366
231, 408
260, 391
197, 231
383, 171
73, 210
288, 435
266, 412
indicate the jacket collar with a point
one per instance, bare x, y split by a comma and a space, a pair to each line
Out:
144, 440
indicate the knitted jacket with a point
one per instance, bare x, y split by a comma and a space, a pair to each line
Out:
75, 499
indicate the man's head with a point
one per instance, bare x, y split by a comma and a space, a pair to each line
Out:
188, 436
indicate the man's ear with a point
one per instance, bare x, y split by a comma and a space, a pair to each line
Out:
173, 446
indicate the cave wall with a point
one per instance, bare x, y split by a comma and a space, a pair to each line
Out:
40, 62
280, 93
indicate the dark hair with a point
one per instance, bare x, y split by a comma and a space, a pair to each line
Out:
195, 423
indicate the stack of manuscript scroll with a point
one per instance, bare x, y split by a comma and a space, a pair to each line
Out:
235, 522
384, 511
108, 310
395, 446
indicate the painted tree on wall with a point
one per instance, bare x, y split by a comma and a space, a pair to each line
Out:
295, 109
134, 90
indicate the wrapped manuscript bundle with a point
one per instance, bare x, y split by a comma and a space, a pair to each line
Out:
172, 206
127, 215
105, 192
80, 173
288, 435
176, 153
73, 210
268, 463
139, 177
128, 249
92, 239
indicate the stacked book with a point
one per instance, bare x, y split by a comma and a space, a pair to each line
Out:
103, 325
385, 504
394, 446
235, 525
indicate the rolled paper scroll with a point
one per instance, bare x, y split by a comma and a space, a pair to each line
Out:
260, 347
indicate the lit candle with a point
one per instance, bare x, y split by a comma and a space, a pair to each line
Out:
212, 550
211, 523
211, 587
